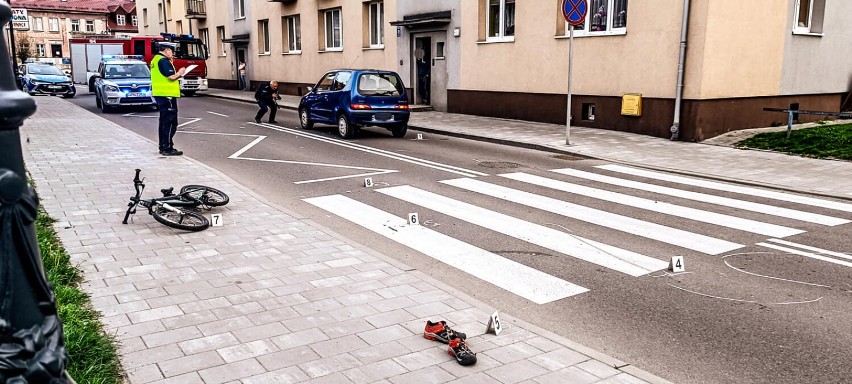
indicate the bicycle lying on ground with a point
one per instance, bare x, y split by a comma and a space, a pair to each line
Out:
177, 210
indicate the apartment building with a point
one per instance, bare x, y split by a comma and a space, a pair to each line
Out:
509, 58
53, 22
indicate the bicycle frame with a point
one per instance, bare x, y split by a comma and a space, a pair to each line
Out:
169, 201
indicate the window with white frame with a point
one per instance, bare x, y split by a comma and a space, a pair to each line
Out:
134, 20
604, 17
37, 23
220, 40
809, 15
501, 20
75, 25
119, 19
239, 9
53, 24
294, 34
90, 25
377, 19
263, 36
40, 50
333, 30
204, 35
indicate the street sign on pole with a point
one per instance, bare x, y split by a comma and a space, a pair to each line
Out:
574, 12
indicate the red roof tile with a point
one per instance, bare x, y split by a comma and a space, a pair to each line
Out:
75, 5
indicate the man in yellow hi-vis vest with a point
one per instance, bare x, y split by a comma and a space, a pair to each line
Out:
166, 90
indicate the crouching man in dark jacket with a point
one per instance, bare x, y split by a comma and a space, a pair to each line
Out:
266, 95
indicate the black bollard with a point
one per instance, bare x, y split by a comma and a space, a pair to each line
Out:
32, 346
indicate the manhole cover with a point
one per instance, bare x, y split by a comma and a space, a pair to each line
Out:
499, 164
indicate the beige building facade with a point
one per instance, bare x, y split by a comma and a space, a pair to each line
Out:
509, 58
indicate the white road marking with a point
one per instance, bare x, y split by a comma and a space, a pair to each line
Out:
731, 188
133, 114
217, 114
662, 233
810, 248
712, 199
380, 152
658, 206
238, 156
514, 277
617, 259
192, 120
806, 254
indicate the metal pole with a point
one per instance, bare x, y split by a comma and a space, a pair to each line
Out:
570, 75
32, 345
675, 129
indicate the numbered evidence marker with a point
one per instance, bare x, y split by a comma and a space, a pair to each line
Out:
413, 219
419, 136
677, 264
216, 220
368, 182
494, 324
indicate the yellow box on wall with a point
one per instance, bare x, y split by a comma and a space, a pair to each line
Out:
631, 104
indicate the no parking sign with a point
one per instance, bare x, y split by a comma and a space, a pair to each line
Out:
574, 11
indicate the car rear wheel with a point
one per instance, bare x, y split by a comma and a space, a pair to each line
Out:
399, 131
305, 119
344, 128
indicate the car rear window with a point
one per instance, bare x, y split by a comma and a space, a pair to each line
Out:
379, 84
45, 70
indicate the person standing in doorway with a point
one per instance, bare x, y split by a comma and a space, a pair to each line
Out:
165, 88
242, 69
266, 96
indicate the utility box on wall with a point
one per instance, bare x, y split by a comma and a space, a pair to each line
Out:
631, 104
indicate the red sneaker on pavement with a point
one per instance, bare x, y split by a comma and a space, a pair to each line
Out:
440, 331
458, 349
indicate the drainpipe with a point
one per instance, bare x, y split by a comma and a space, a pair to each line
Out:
680, 64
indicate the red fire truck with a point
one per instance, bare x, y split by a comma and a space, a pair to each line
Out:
86, 55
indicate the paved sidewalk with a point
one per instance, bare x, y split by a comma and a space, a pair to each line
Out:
269, 297
763, 168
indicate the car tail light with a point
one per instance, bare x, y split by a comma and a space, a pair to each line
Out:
359, 106
402, 106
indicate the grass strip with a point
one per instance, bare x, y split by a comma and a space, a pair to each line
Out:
92, 356
833, 141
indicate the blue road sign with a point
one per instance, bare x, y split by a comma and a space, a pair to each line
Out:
574, 11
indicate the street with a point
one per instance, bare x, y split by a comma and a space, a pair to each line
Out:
577, 246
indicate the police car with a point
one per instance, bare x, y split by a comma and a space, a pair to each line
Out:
122, 80
45, 79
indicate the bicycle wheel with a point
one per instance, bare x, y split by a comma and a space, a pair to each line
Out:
207, 195
186, 220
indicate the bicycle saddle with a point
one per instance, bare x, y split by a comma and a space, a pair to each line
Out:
167, 191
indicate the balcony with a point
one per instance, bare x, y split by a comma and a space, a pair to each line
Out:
195, 9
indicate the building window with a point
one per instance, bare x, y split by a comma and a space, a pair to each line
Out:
263, 36
501, 20
178, 27
145, 16
333, 30
809, 16
119, 19
40, 50
90, 25
75, 25
160, 13
604, 17
56, 50
294, 34
134, 20
37, 23
377, 19
239, 9
220, 43
53, 24
204, 35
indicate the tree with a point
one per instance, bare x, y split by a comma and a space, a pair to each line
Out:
25, 48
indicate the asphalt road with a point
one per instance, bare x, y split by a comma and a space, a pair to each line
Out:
746, 309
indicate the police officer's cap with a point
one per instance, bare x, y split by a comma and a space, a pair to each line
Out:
166, 44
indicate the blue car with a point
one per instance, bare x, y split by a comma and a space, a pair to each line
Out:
354, 98
45, 79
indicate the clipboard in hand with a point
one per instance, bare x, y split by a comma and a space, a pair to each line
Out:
189, 69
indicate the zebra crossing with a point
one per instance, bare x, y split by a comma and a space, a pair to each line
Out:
540, 287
